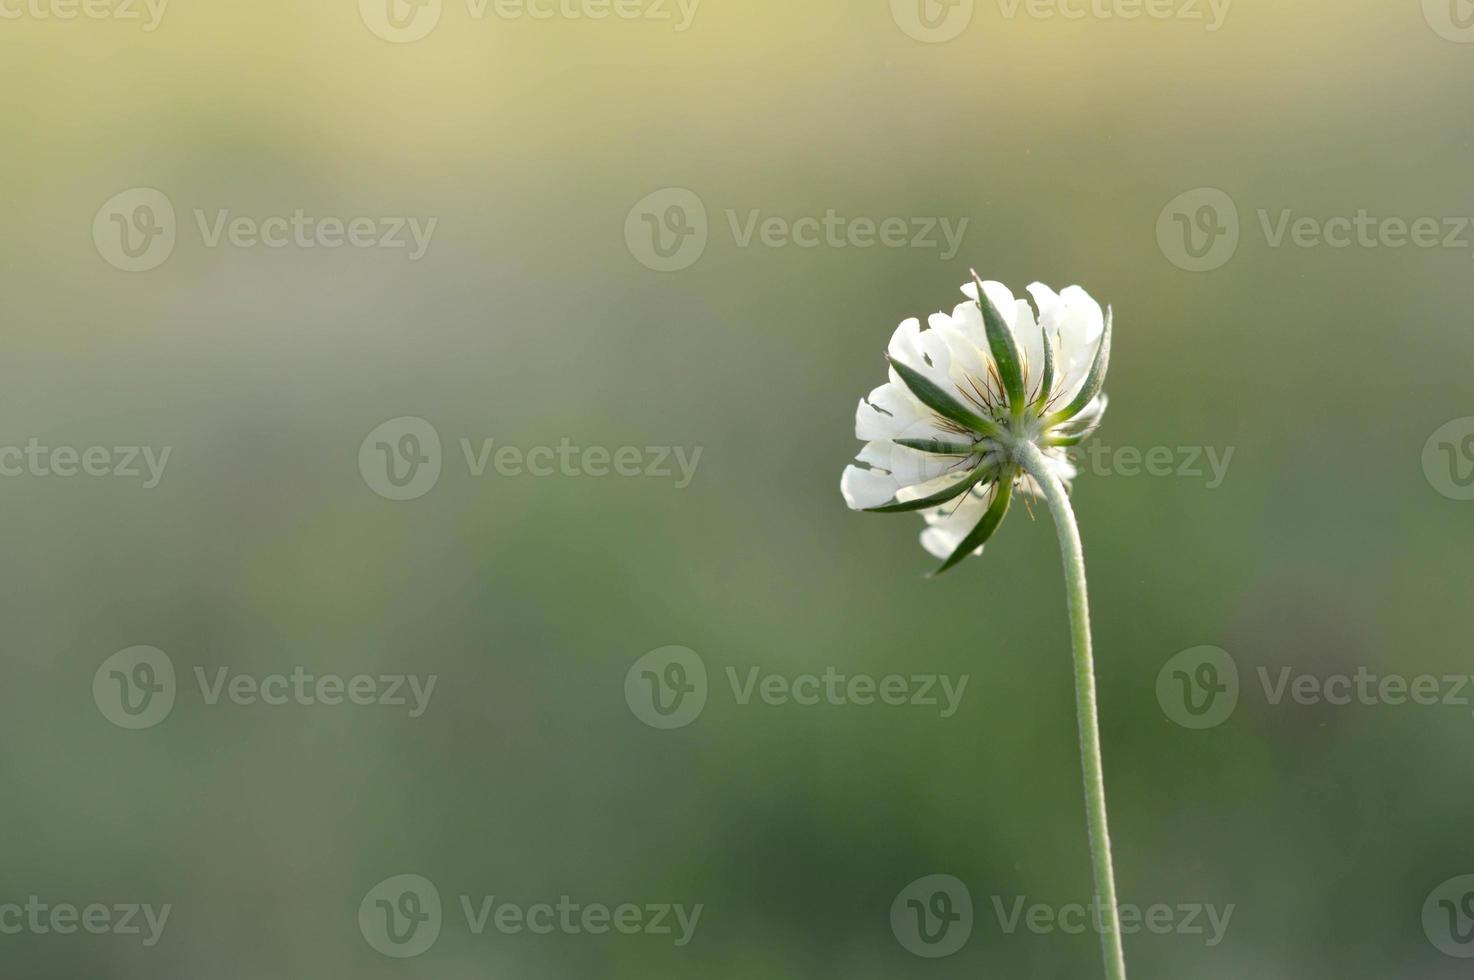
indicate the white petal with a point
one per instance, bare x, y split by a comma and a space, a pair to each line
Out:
952, 522
969, 361
1081, 305
1030, 344
927, 489
864, 488
923, 351
1051, 307
887, 412
904, 342
967, 319
1002, 299
1080, 329
908, 466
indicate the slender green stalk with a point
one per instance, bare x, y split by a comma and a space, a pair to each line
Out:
1079, 604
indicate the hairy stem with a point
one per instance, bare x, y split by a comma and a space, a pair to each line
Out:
1085, 705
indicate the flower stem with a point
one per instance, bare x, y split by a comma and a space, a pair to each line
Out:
1073, 554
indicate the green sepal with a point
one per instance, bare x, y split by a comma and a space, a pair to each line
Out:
937, 447
979, 535
1005, 351
1046, 384
942, 403
937, 499
1094, 381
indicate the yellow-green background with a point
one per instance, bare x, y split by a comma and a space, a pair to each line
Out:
528, 321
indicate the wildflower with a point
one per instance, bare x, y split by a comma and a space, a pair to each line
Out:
946, 435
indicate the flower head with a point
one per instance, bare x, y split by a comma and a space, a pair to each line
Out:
944, 437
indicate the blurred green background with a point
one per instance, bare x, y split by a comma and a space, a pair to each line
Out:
1327, 548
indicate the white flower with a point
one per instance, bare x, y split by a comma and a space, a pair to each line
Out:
942, 437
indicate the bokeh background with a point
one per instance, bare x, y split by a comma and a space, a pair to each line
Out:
1327, 548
